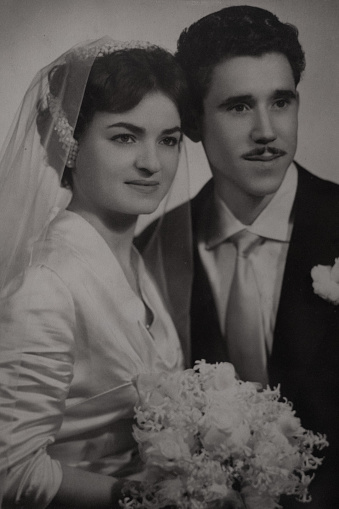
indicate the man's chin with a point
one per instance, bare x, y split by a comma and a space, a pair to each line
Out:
266, 186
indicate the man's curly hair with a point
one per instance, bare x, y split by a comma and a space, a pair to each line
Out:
234, 31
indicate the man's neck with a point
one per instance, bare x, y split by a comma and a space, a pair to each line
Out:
245, 208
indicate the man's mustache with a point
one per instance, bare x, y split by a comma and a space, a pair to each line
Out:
265, 150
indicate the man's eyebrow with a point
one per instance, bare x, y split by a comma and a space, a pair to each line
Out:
250, 99
235, 99
284, 93
140, 130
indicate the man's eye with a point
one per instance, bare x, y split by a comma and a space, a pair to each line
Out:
238, 108
123, 138
170, 141
281, 103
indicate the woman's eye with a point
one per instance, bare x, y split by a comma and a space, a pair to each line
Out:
170, 141
123, 138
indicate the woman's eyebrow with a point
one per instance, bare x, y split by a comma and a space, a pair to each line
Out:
140, 130
131, 127
172, 130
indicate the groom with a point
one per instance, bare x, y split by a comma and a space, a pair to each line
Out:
262, 223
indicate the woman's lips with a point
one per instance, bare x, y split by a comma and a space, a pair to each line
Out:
145, 186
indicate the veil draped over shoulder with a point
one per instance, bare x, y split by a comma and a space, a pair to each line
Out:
32, 163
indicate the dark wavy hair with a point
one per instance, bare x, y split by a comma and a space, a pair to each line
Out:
234, 31
117, 82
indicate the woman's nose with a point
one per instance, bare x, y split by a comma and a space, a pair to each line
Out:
148, 159
263, 131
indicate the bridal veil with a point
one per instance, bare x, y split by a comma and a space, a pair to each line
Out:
32, 164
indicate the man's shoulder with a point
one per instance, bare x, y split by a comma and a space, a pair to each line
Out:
318, 185
316, 207
317, 199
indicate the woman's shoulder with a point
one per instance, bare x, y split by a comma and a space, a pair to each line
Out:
34, 297
73, 249
65, 246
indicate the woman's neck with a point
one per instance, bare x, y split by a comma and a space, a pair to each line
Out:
117, 230
118, 233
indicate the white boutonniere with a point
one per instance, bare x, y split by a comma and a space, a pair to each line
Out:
326, 281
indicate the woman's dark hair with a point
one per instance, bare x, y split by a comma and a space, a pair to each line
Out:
234, 31
117, 82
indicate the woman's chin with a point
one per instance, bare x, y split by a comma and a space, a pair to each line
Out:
150, 207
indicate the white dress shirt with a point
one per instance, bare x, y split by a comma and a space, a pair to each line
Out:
218, 254
72, 338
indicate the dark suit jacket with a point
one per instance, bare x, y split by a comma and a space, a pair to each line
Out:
305, 355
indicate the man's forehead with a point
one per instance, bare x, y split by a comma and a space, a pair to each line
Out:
247, 74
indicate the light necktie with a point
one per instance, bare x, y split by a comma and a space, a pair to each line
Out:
244, 322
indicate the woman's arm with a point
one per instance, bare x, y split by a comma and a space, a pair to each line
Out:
37, 356
80, 489
36, 369
87, 490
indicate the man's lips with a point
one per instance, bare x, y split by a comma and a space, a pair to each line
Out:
264, 154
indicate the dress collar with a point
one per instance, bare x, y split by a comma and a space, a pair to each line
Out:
275, 221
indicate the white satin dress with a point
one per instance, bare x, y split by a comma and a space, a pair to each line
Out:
72, 337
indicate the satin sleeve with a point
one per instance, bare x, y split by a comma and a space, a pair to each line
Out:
36, 367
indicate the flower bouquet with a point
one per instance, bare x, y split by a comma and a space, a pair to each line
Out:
203, 434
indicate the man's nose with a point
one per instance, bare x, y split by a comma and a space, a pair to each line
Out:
148, 159
263, 131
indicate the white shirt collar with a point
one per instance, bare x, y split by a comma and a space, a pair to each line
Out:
275, 221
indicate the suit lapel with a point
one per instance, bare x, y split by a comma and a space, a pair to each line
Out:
303, 316
207, 340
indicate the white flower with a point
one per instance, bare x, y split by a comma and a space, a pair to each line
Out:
256, 500
289, 425
147, 386
171, 490
326, 281
165, 447
227, 498
221, 378
224, 425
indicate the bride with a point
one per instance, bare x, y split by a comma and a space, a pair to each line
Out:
82, 316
